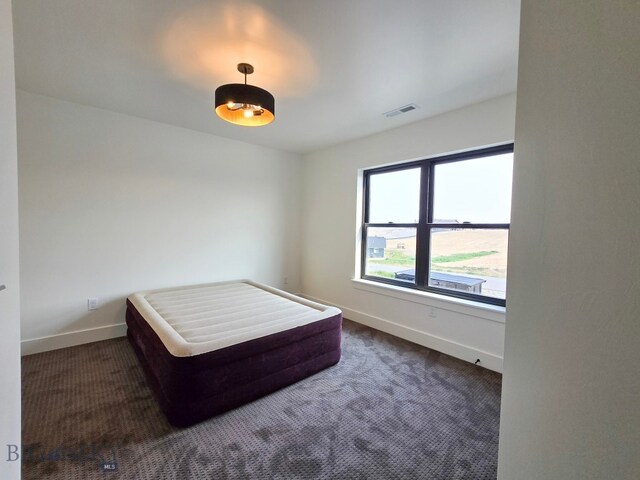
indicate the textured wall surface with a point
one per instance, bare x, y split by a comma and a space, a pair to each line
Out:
571, 380
111, 204
9, 267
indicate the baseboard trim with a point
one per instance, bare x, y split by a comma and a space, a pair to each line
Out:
70, 339
463, 352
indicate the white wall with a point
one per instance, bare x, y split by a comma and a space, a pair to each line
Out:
111, 204
571, 390
331, 193
9, 268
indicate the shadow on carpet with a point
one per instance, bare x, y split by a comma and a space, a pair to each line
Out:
389, 410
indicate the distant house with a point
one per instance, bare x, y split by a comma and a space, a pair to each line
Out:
443, 220
405, 238
401, 239
376, 246
446, 280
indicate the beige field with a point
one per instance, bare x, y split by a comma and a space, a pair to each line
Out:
450, 243
469, 241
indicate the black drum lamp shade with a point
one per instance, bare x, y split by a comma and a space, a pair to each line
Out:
243, 104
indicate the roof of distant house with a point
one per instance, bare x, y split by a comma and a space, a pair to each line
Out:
446, 277
397, 233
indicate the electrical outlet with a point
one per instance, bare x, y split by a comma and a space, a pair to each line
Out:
286, 281
432, 312
92, 303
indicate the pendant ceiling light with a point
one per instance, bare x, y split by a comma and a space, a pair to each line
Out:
244, 104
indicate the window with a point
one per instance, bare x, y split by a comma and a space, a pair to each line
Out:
441, 224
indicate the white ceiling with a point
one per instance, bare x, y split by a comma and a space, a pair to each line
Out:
334, 66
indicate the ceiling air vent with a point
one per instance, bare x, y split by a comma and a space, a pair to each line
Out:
398, 111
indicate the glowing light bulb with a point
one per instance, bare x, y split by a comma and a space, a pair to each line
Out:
230, 105
248, 113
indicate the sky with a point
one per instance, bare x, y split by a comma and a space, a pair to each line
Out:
477, 191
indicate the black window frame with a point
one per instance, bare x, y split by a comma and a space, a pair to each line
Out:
425, 221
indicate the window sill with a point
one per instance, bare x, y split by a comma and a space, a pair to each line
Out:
458, 305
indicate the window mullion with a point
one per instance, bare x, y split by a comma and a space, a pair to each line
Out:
471, 226
365, 197
392, 225
422, 237
363, 251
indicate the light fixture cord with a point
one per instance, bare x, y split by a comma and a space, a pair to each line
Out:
244, 105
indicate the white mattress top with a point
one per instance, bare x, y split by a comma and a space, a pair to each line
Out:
201, 318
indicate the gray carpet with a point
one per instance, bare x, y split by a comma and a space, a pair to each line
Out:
389, 410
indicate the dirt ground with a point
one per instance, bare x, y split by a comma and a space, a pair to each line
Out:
467, 241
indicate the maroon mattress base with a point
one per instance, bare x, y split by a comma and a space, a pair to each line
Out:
192, 389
